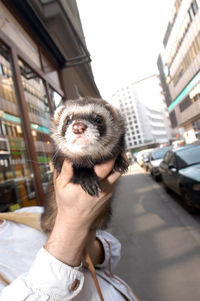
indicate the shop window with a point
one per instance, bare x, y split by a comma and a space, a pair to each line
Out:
16, 177
40, 119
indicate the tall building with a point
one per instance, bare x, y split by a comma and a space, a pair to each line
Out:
147, 121
179, 67
43, 61
126, 100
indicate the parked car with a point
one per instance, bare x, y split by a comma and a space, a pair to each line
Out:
140, 156
145, 159
154, 160
180, 172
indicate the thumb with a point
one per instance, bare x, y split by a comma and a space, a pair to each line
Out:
66, 173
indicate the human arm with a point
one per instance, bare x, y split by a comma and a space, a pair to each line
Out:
53, 273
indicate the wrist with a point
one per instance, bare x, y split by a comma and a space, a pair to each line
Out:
73, 221
67, 242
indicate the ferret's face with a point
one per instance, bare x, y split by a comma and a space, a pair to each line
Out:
83, 129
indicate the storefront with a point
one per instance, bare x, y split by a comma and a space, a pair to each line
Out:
30, 89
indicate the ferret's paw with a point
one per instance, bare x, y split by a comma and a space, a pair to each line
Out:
88, 180
121, 165
92, 189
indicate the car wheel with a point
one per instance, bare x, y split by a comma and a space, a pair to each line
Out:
187, 202
167, 189
157, 178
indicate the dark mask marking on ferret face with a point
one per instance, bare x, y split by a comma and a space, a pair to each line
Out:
96, 120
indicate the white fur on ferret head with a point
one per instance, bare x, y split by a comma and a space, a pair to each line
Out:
98, 146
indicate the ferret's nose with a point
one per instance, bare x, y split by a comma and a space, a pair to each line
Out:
79, 127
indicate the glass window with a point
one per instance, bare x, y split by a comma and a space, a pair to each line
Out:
159, 154
167, 157
188, 156
16, 177
40, 119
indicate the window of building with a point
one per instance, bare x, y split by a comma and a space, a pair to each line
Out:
173, 119
40, 118
41, 95
16, 176
186, 103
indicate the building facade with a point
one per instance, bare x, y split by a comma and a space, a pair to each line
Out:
43, 62
179, 67
145, 123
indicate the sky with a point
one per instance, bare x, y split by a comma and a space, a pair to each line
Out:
124, 38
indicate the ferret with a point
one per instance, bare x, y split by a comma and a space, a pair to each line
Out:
87, 131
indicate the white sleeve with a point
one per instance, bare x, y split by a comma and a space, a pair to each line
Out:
48, 279
112, 250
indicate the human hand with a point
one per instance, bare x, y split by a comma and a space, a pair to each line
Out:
76, 211
75, 206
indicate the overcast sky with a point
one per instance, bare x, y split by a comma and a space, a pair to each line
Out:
124, 38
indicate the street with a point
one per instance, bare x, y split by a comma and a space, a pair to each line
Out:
160, 257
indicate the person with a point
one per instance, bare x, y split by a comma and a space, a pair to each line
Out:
57, 271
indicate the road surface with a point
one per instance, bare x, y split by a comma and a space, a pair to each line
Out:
160, 240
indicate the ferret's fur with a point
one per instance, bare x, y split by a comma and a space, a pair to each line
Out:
86, 131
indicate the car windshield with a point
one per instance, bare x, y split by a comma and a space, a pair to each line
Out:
189, 156
146, 155
159, 154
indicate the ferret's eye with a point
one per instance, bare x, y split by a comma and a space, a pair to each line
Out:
98, 120
68, 121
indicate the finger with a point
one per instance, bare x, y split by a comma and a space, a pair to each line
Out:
66, 173
102, 170
107, 185
113, 177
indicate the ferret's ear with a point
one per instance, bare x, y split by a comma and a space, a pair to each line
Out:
113, 111
58, 112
